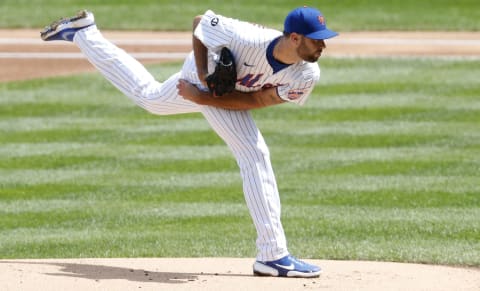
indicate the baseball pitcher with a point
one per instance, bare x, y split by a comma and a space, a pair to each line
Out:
234, 67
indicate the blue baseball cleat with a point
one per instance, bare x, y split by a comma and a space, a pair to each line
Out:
287, 266
65, 28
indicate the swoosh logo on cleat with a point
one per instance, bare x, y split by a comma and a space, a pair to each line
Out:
290, 267
68, 35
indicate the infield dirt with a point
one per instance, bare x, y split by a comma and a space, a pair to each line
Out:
225, 274
24, 56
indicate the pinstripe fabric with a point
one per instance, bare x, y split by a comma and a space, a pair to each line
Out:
254, 72
236, 128
131, 77
239, 131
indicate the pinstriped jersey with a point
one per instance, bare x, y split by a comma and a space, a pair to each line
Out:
252, 46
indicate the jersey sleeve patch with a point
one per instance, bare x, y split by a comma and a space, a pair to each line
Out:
214, 31
301, 84
296, 94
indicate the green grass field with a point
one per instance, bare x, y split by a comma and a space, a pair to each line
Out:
345, 15
382, 163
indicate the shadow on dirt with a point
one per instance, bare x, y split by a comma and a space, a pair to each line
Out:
99, 272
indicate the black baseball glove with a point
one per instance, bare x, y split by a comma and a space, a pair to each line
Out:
225, 76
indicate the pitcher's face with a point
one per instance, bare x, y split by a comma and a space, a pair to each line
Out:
309, 49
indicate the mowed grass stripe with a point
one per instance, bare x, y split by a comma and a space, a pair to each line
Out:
389, 114
381, 163
125, 177
72, 149
395, 100
349, 121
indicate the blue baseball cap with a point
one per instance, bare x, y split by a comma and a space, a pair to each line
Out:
309, 22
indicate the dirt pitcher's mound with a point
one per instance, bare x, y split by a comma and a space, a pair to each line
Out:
224, 274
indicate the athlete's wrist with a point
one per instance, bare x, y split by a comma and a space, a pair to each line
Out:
202, 76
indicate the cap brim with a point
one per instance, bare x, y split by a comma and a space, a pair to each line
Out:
322, 34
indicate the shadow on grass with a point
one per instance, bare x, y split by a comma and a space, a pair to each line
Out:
99, 272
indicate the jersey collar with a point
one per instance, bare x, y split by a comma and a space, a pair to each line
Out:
276, 65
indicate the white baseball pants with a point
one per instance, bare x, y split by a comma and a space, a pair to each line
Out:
236, 128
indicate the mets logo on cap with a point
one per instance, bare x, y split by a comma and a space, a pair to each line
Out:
321, 19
